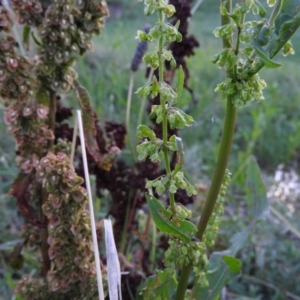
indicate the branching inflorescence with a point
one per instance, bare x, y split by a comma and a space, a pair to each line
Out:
172, 220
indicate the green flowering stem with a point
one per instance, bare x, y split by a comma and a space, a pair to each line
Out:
219, 173
164, 109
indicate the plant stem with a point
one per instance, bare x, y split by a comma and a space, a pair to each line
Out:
164, 111
214, 189
219, 172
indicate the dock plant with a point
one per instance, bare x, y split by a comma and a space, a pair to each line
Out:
37, 79
248, 46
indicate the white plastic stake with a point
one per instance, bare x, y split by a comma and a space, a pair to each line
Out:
93, 225
113, 264
75, 130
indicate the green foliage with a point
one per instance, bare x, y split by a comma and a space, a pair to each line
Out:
162, 285
169, 222
255, 190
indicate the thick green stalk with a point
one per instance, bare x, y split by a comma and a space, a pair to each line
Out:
214, 189
219, 173
164, 110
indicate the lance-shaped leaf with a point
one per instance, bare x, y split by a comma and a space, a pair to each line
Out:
222, 265
266, 60
167, 223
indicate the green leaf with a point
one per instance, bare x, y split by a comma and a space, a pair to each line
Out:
144, 131
266, 60
233, 264
180, 229
162, 285
218, 275
180, 81
223, 9
222, 267
255, 190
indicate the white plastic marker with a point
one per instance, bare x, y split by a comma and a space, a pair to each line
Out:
113, 264
93, 226
74, 141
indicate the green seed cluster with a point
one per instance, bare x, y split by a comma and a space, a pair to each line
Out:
250, 51
243, 91
153, 147
214, 222
180, 254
